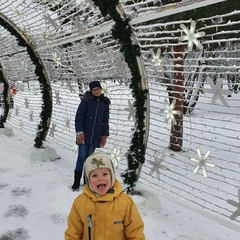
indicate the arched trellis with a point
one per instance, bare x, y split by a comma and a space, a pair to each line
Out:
5, 100
173, 181
24, 41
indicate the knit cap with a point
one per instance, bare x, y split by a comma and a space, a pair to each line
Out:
98, 160
94, 84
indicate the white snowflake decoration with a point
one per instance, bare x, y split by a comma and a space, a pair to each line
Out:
115, 156
105, 90
58, 98
201, 160
24, 65
51, 21
170, 111
130, 110
45, 37
56, 59
156, 165
217, 91
67, 123
235, 204
18, 13
52, 129
157, 60
191, 36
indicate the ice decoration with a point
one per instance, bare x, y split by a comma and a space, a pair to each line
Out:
157, 60
201, 160
217, 91
191, 36
115, 156
170, 111
235, 204
157, 164
67, 123
56, 59
52, 129
130, 110
105, 90
18, 13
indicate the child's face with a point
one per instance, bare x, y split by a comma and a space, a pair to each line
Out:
100, 180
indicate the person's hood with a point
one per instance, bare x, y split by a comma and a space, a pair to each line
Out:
89, 97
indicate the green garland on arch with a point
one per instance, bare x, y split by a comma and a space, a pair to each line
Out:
45, 86
122, 31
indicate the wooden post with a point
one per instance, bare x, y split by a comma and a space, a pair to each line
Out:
176, 137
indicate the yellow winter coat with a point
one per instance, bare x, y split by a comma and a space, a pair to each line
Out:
113, 216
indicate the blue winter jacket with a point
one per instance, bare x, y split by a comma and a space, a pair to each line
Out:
92, 118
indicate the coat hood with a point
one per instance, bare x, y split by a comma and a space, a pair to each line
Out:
89, 97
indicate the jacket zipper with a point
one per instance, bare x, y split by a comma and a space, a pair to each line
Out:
89, 226
95, 119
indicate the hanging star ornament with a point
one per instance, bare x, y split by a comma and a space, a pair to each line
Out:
235, 204
217, 91
201, 160
191, 36
170, 111
157, 61
156, 165
115, 156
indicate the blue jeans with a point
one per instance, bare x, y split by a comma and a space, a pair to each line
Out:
84, 150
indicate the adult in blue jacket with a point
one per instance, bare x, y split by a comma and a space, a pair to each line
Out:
91, 125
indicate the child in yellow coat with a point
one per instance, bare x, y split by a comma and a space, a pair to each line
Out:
103, 211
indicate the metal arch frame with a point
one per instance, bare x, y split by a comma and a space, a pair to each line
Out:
42, 133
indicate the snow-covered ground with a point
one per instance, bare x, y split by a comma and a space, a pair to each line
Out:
35, 198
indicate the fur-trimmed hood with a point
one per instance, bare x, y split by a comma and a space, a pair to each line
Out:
89, 97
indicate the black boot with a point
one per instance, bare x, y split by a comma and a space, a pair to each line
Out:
77, 178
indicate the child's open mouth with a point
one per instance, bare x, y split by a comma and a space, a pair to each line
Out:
101, 186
